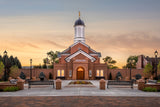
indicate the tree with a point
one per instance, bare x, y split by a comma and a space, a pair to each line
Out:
158, 66
17, 62
1, 69
133, 59
45, 63
1, 59
53, 56
110, 62
147, 70
124, 67
14, 71
38, 66
7, 65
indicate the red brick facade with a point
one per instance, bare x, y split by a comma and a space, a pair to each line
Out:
79, 55
36, 72
124, 72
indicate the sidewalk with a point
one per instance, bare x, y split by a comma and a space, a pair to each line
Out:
79, 91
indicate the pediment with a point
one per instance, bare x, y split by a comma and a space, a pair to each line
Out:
78, 53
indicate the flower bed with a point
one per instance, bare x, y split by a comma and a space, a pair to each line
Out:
80, 82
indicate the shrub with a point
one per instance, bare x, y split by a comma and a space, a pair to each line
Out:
159, 77
50, 76
138, 76
22, 76
1, 90
12, 88
149, 89
118, 75
110, 76
78, 82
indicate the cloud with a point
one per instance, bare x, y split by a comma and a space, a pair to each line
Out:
54, 43
136, 40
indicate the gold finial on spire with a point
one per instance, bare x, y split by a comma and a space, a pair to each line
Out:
79, 14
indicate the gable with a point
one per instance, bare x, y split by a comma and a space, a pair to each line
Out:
79, 46
80, 52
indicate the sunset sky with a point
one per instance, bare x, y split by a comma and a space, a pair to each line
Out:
116, 28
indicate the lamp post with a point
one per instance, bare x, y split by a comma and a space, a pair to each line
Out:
156, 53
5, 63
30, 69
130, 63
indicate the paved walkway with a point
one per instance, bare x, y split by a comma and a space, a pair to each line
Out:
79, 101
79, 91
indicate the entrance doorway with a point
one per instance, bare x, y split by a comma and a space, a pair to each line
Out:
80, 73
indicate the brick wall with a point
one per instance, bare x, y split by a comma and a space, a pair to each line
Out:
36, 72
6, 84
124, 72
157, 86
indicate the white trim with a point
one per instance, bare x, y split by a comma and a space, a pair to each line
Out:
79, 42
80, 52
93, 54
65, 50
93, 50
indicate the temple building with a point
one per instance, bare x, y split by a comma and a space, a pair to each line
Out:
144, 60
79, 61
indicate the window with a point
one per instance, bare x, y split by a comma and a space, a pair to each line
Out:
97, 74
60, 73
100, 73
90, 73
70, 73
79, 32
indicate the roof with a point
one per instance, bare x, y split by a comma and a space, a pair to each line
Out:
64, 52
79, 22
80, 52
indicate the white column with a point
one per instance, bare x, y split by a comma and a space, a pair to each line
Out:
79, 34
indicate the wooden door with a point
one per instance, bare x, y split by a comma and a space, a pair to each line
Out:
80, 75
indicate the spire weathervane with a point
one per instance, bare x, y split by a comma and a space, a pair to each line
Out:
79, 14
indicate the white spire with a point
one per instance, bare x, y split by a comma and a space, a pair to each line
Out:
79, 30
